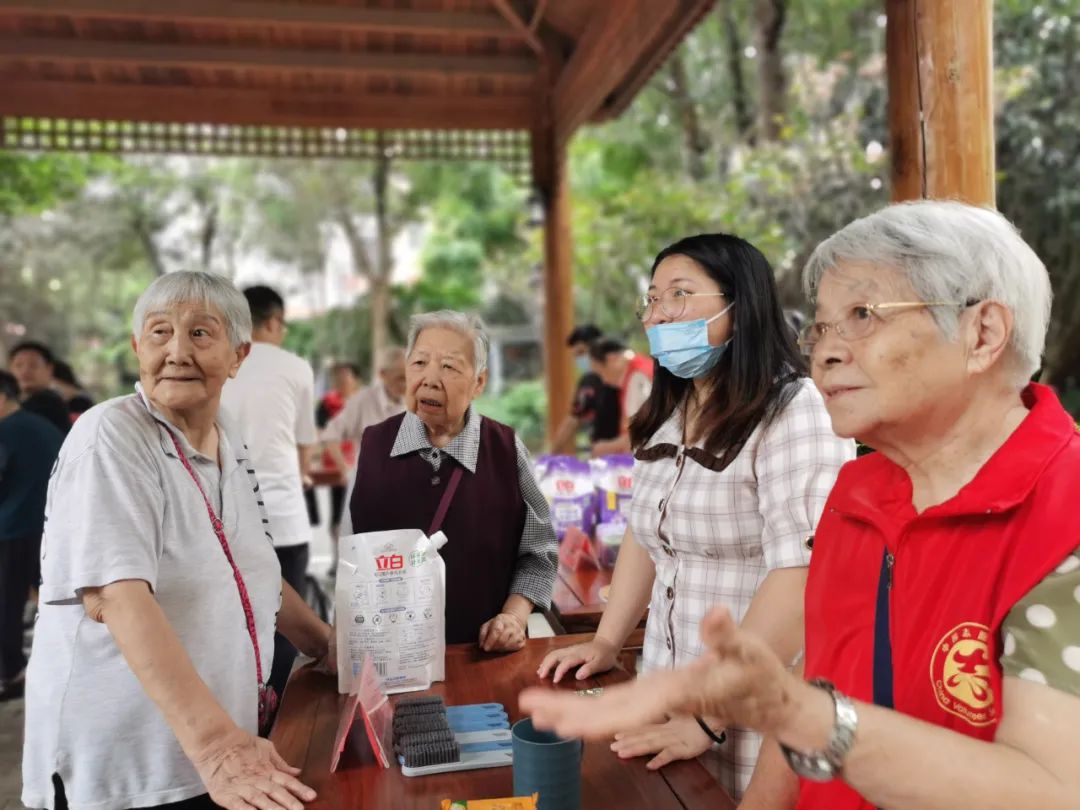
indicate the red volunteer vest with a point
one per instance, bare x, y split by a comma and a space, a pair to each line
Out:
956, 571
639, 364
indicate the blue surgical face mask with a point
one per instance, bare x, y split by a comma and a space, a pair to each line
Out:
582, 363
683, 347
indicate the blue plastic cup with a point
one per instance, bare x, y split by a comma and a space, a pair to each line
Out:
546, 764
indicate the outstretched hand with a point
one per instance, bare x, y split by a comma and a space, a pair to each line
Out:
739, 679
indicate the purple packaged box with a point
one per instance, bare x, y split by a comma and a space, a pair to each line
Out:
614, 481
568, 486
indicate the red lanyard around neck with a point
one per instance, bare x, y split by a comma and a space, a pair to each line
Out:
219, 530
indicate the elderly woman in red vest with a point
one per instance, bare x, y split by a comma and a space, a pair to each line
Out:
442, 463
943, 600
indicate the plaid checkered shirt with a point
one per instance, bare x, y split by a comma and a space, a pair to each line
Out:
715, 536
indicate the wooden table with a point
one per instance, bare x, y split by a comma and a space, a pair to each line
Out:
308, 718
576, 601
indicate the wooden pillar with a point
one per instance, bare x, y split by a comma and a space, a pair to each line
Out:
941, 111
550, 178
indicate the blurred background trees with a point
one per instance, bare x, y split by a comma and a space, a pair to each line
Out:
769, 122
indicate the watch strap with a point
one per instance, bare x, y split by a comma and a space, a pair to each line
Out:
826, 764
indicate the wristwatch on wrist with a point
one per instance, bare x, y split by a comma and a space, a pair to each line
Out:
825, 765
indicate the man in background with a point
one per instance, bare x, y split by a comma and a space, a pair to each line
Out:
29, 445
32, 364
595, 405
272, 399
631, 374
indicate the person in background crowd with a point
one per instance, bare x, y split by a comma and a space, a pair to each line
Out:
374, 404
595, 405
943, 602
442, 457
345, 382
32, 364
160, 588
272, 399
734, 445
29, 445
68, 386
378, 402
631, 375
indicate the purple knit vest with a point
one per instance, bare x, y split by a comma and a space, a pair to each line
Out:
483, 525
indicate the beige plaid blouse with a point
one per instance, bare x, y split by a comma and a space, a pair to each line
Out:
714, 536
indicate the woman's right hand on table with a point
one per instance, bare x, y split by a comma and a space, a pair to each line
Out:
241, 771
589, 657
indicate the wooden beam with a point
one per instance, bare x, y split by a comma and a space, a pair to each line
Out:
56, 99
551, 178
140, 54
941, 112
615, 39
526, 32
653, 59
347, 19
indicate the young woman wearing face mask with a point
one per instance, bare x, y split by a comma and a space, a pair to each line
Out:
735, 456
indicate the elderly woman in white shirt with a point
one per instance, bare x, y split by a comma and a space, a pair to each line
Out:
146, 684
735, 458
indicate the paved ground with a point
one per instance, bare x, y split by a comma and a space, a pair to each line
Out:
11, 729
11, 713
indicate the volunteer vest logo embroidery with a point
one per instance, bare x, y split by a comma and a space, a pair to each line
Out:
960, 674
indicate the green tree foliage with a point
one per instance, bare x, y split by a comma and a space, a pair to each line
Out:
82, 237
32, 183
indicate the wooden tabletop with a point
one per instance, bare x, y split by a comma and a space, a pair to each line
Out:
576, 601
308, 718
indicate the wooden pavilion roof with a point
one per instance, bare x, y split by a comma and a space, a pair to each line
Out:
319, 77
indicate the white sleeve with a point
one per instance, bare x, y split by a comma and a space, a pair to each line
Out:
796, 463
103, 520
305, 408
637, 392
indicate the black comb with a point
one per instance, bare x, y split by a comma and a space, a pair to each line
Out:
420, 705
423, 738
422, 755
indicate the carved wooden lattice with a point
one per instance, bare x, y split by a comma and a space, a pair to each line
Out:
509, 148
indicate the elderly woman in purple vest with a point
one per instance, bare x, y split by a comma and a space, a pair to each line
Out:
443, 463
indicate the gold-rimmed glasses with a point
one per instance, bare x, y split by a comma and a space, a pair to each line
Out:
672, 302
860, 321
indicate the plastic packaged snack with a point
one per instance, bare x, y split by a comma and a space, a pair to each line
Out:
613, 477
567, 484
518, 803
390, 602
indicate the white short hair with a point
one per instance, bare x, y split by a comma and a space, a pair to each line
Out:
467, 324
187, 286
950, 251
390, 357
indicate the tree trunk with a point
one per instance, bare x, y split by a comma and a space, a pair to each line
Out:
146, 239
694, 139
208, 234
380, 282
744, 118
772, 87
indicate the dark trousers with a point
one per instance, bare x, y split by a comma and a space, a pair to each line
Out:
18, 561
294, 564
198, 803
337, 506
